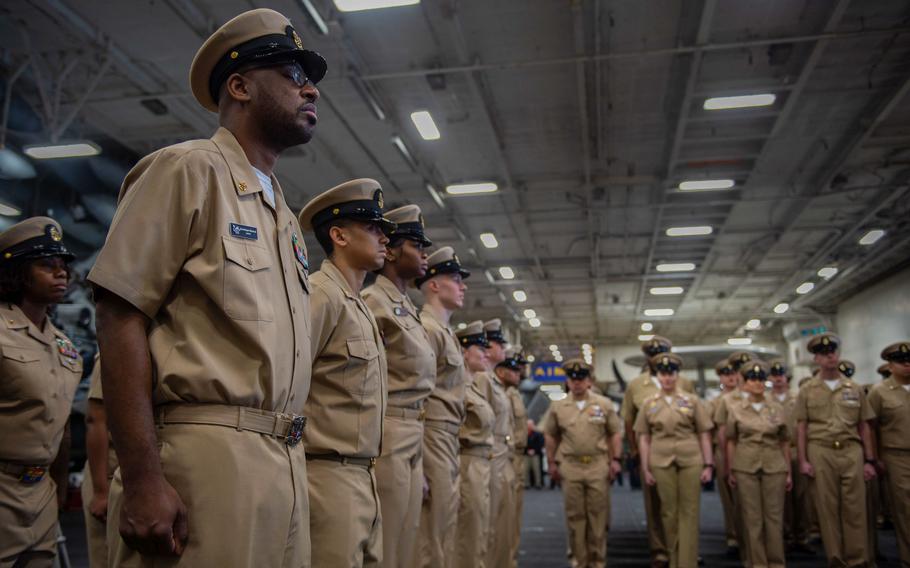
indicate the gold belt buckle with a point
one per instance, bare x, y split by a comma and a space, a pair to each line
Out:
423, 414
490, 455
372, 462
585, 459
837, 445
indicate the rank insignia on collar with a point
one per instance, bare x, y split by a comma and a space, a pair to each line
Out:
298, 252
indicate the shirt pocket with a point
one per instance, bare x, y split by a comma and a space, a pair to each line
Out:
73, 364
247, 268
848, 411
362, 372
23, 374
818, 410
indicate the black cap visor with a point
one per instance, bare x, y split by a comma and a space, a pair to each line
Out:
447, 267
38, 247
474, 339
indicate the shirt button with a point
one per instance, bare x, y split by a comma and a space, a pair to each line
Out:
51, 419
53, 371
298, 352
293, 396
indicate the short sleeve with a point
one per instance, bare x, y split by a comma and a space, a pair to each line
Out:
94, 389
720, 410
551, 424
613, 423
730, 427
703, 422
642, 425
875, 401
626, 409
800, 409
322, 318
865, 410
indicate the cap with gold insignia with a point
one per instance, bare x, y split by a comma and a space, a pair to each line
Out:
898, 352
824, 343
666, 362
847, 368
738, 358
884, 370
493, 329
358, 199
260, 37
576, 369
514, 359
37, 237
755, 370
472, 335
655, 345
409, 224
443, 261
723, 367
778, 367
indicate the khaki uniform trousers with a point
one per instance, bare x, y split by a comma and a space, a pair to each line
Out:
245, 494
345, 521
502, 511
586, 495
761, 498
727, 501
473, 527
797, 506
438, 516
95, 530
657, 540
840, 502
28, 522
399, 473
872, 497
518, 467
680, 501
897, 464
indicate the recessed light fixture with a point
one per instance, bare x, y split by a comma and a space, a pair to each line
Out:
659, 312
753, 324
558, 359
534, 322
646, 337
69, 150
676, 267
805, 288
520, 296
423, 120
706, 184
554, 347
828, 272
781, 308
739, 341
742, 101
529, 313
471, 188
585, 346
869, 238
666, 291
530, 358
506, 272
462, 325
689, 231
489, 240
358, 5
647, 326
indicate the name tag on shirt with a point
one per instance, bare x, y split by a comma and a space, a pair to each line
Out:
399, 311
244, 232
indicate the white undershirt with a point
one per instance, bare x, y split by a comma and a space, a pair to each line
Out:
906, 387
781, 396
832, 384
758, 406
655, 381
669, 399
580, 404
267, 189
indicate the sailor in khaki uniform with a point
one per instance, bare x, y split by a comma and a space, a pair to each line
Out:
835, 451
100, 465
412, 374
39, 372
475, 440
758, 458
515, 362
203, 317
639, 390
348, 396
584, 443
443, 289
675, 442
890, 400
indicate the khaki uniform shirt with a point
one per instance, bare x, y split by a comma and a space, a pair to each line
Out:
758, 434
519, 420
477, 430
674, 428
641, 389
446, 402
39, 373
96, 393
411, 360
832, 416
495, 393
221, 274
720, 408
789, 405
585, 432
891, 404
348, 397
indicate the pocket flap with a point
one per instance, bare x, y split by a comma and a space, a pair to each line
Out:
454, 359
21, 354
362, 349
249, 256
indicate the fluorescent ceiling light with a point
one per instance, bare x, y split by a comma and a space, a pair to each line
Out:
520, 296
805, 288
743, 101
462, 325
647, 326
558, 359
659, 312
666, 291
530, 358
54, 151
557, 396
534, 322
8, 210
753, 324
689, 231
489, 240
646, 337
358, 5
827, 272
676, 267
506, 272
869, 238
585, 346
471, 188
554, 347
739, 341
423, 120
529, 313
781, 308
435, 195
706, 184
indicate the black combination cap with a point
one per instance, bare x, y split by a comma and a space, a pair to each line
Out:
37, 237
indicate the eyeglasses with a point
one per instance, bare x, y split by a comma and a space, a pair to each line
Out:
291, 70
